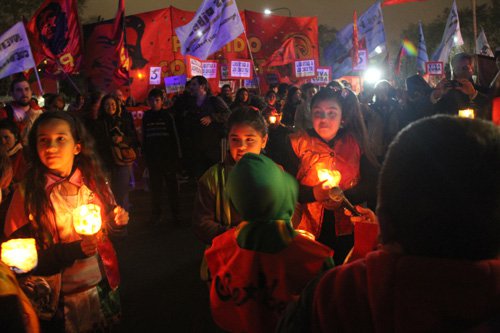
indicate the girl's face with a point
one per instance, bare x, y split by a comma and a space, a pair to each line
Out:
7, 139
244, 96
271, 99
245, 139
56, 146
196, 89
326, 118
110, 106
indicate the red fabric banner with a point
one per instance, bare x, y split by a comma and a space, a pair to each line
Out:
282, 56
355, 42
397, 2
56, 37
121, 72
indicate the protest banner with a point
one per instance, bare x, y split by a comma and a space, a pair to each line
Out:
304, 68
240, 69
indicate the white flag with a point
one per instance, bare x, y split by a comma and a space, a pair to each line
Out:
451, 37
422, 56
216, 23
482, 46
15, 51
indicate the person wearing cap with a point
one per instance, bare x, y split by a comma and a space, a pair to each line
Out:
261, 265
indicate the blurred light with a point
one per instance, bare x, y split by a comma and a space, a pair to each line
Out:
455, 39
199, 33
372, 75
140, 75
267, 11
378, 50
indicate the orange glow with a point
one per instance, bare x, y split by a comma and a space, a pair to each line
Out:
140, 75
331, 178
20, 254
87, 219
305, 233
272, 119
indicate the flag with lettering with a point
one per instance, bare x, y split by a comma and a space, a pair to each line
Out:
452, 36
371, 33
15, 51
55, 33
216, 23
422, 56
482, 45
282, 56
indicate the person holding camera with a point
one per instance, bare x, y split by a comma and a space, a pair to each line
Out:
461, 92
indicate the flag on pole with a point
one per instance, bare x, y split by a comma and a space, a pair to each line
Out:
215, 24
371, 33
422, 56
15, 51
451, 37
56, 36
282, 56
482, 45
355, 42
397, 2
121, 72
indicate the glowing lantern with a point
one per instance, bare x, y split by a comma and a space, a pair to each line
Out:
466, 113
87, 219
272, 119
331, 178
305, 233
20, 254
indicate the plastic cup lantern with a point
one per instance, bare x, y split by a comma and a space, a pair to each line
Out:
20, 254
87, 219
331, 178
272, 119
466, 113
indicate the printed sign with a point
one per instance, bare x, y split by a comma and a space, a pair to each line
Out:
251, 84
154, 75
175, 84
224, 72
323, 76
362, 61
304, 68
240, 69
194, 66
209, 69
434, 67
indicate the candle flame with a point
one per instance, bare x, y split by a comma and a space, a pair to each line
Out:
87, 219
272, 119
466, 113
331, 178
20, 254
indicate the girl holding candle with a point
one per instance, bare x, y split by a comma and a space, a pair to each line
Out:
337, 141
78, 274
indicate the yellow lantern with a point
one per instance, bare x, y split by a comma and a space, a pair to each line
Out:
331, 178
20, 254
87, 219
272, 119
466, 113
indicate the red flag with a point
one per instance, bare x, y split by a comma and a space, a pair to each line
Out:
355, 42
282, 56
121, 73
397, 65
397, 2
56, 36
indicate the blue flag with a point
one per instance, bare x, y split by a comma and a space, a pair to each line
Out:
216, 23
422, 56
370, 32
451, 36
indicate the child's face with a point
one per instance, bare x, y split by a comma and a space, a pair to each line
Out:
7, 138
156, 103
110, 106
56, 146
245, 139
326, 118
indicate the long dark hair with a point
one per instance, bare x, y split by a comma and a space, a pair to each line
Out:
37, 204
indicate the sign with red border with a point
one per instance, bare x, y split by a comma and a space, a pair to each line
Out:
323, 76
434, 67
304, 68
240, 69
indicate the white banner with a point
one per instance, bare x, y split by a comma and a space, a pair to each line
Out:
209, 69
15, 51
305, 68
154, 75
240, 69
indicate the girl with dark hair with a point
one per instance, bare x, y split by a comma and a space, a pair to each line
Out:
115, 126
212, 212
75, 287
241, 99
293, 100
337, 142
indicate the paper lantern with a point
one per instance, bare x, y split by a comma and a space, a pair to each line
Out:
272, 119
87, 219
331, 178
20, 254
466, 113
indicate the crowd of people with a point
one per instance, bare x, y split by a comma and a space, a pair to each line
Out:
321, 210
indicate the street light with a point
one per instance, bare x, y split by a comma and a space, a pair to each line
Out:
268, 11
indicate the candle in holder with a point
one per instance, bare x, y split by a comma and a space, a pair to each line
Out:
331, 178
466, 113
20, 254
87, 219
272, 119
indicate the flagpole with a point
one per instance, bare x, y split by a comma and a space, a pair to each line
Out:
251, 57
474, 27
39, 82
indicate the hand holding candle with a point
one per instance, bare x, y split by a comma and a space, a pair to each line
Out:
20, 254
329, 178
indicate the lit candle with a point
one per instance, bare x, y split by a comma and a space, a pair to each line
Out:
272, 119
466, 113
87, 219
20, 254
331, 178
